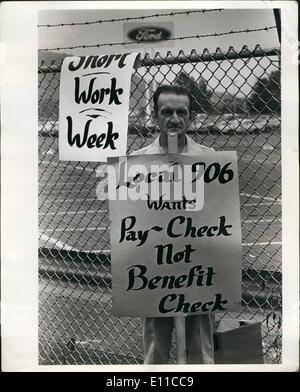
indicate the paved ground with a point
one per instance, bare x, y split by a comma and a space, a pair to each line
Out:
84, 313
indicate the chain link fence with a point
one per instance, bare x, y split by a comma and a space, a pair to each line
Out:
237, 101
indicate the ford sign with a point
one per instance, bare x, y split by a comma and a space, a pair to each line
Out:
149, 34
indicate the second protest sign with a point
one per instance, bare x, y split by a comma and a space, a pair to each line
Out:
94, 104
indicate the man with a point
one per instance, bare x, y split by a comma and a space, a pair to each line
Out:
172, 114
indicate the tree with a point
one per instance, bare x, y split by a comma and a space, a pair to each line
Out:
199, 92
265, 96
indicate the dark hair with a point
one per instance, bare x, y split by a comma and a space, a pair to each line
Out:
171, 89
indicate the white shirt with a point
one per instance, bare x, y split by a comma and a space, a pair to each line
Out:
191, 148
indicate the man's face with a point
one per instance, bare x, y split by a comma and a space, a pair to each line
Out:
173, 113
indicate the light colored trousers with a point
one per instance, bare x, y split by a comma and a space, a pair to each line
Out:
157, 335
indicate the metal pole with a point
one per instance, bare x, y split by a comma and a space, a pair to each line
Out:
179, 321
148, 84
192, 58
277, 17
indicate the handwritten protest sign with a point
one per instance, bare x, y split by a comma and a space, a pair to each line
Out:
176, 257
94, 102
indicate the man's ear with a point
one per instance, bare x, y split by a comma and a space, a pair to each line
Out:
192, 116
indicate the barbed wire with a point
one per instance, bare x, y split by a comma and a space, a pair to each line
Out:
167, 39
131, 18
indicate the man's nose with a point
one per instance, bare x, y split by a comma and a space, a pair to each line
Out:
175, 118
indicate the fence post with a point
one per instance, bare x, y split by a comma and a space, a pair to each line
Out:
276, 12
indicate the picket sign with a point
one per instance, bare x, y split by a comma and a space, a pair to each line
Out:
179, 320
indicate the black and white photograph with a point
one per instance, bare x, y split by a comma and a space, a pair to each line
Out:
165, 202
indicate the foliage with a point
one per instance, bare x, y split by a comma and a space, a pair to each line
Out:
199, 92
265, 97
